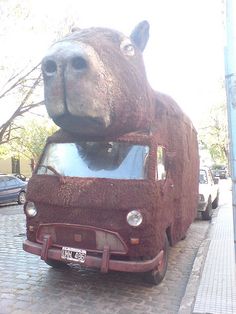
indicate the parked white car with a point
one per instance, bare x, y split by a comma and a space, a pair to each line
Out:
208, 193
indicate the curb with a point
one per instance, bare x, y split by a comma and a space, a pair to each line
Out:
189, 298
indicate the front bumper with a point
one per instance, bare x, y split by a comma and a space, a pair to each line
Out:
104, 263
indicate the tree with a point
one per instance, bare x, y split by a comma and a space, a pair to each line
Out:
21, 88
213, 134
19, 81
20, 75
29, 140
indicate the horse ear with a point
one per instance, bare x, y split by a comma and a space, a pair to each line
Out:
140, 35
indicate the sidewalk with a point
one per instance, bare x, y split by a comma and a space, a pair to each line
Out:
216, 293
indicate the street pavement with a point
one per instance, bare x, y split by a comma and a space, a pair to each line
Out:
212, 284
28, 285
217, 289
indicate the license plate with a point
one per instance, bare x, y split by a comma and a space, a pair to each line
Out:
73, 255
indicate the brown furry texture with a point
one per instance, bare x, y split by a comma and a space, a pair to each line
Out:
122, 94
104, 203
113, 86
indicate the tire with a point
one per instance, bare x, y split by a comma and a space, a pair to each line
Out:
216, 201
56, 264
206, 215
156, 275
21, 198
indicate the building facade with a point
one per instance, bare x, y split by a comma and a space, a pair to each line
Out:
16, 165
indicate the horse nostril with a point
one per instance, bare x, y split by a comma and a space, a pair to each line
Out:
79, 63
50, 67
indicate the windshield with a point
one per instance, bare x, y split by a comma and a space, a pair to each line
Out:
112, 160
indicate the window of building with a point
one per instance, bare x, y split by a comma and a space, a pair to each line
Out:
15, 165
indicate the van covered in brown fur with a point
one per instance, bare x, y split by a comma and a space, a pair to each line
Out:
113, 203
118, 183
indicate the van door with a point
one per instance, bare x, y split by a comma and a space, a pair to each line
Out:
166, 186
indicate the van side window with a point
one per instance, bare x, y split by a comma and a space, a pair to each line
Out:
161, 169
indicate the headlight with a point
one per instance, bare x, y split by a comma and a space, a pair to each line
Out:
201, 198
134, 218
30, 209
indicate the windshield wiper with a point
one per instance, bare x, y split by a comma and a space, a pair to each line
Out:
61, 178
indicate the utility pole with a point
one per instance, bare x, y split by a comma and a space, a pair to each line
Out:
230, 79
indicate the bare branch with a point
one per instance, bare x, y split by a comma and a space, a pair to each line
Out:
25, 106
19, 81
13, 77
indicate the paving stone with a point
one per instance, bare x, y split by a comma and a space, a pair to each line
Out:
31, 286
217, 290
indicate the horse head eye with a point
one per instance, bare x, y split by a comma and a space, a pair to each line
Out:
127, 48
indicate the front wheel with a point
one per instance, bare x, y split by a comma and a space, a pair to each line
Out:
206, 215
156, 275
215, 203
21, 198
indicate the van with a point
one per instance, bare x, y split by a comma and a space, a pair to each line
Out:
113, 203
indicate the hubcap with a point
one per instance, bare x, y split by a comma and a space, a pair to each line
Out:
22, 198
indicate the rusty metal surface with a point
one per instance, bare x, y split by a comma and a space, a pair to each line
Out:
104, 262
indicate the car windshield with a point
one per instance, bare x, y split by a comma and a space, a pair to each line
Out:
114, 160
203, 177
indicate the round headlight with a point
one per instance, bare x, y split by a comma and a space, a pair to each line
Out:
134, 218
30, 209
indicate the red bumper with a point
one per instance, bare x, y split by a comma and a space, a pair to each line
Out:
104, 263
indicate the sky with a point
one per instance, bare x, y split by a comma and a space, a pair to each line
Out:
184, 56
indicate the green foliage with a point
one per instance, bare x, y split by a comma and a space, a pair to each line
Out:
213, 134
4, 151
29, 140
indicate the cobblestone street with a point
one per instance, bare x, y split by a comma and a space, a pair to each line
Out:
28, 285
